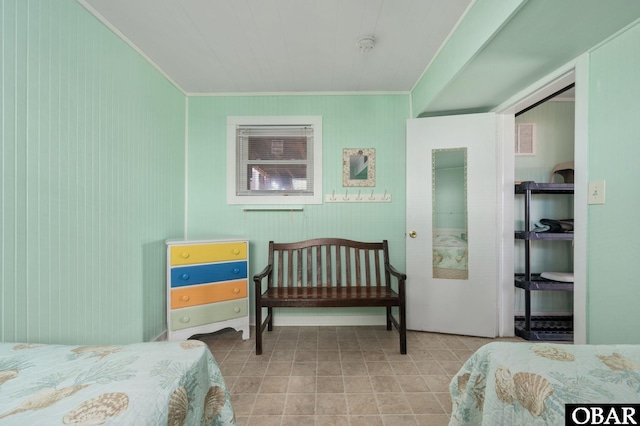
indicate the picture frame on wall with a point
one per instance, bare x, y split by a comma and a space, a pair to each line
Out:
358, 167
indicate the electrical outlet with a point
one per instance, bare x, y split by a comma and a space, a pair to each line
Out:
596, 192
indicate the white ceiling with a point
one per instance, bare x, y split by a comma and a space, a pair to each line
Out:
284, 46
235, 46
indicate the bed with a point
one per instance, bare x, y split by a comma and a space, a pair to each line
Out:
509, 383
450, 257
151, 383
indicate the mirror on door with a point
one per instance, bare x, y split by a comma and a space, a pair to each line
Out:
449, 204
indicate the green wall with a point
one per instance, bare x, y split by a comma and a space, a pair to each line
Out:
555, 140
476, 30
614, 147
92, 164
349, 121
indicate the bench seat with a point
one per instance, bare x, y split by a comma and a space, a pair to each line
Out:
329, 296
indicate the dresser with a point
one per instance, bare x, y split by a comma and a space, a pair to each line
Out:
207, 287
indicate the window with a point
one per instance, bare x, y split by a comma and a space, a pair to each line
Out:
274, 160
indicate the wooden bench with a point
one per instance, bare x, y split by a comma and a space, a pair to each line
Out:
329, 272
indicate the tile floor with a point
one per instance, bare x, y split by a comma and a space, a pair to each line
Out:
340, 375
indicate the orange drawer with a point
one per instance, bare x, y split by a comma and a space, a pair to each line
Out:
189, 254
209, 293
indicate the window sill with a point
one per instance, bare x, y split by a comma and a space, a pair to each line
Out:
272, 208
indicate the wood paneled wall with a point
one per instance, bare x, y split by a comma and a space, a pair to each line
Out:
92, 165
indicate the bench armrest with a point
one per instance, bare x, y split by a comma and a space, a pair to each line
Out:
400, 276
257, 278
393, 271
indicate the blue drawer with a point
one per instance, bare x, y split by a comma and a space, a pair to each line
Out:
189, 275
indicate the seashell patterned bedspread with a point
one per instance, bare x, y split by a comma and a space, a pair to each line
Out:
512, 383
450, 252
155, 383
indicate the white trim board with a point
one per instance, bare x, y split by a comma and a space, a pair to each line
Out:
328, 93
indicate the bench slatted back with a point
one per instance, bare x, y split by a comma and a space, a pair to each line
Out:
328, 262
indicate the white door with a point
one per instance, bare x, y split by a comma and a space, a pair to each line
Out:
459, 306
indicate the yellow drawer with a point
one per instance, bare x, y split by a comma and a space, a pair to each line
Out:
206, 314
207, 253
183, 297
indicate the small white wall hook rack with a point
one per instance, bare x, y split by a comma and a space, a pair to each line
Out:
358, 198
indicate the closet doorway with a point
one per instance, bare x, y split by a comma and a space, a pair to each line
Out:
544, 154
574, 73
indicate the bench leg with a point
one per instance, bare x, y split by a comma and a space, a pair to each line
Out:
389, 318
258, 329
270, 316
403, 329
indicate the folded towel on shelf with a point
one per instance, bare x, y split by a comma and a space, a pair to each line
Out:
539, 227
551, 225
567, 224
565, 277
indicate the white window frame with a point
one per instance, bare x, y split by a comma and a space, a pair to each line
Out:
234, 121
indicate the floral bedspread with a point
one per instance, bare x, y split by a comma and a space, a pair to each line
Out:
509, 383
156, 383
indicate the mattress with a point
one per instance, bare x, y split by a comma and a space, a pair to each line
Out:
508, 383
139, 384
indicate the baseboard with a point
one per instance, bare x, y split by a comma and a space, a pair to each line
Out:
161, 338
328, 320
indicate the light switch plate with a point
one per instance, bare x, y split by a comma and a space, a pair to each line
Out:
596, 192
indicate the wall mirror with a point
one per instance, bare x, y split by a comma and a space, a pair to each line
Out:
358, 167
449, 204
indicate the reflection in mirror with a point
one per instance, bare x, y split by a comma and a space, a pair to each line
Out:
449, 204
358, 167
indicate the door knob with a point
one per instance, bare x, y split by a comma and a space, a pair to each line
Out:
413, 234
